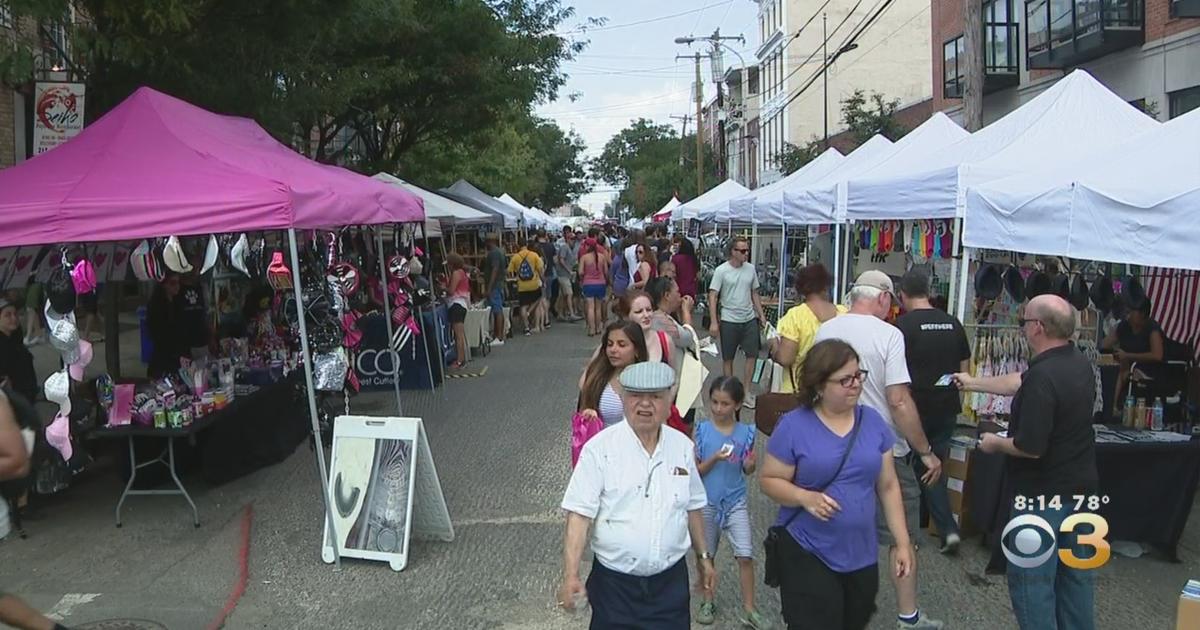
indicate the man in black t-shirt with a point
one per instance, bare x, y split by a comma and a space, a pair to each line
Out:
935, 345
1051, 451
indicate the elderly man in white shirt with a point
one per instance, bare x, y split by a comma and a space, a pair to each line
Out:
636, 483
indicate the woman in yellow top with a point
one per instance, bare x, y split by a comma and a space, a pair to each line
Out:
798, 327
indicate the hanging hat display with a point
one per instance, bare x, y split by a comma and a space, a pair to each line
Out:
1014, 283
1061, 286
988, 283
145, 263
1038, 283
238, 254
1101, 293
83, 276
1132, 291
174, 257
1078, 292
211, 253
60, 288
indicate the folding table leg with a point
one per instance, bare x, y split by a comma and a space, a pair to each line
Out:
179, 484
128, 486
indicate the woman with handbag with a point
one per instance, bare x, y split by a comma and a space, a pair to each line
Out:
829, 464
622, 345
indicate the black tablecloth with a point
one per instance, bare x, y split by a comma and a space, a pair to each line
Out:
1151, 489
252, 432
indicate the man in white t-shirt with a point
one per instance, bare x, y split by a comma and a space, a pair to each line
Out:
880, 348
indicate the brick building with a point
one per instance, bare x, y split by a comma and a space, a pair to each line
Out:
1147, 51
51, 43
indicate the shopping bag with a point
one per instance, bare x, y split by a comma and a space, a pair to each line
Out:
692, 376
583, 428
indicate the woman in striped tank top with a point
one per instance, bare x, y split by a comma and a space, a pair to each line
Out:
622, 345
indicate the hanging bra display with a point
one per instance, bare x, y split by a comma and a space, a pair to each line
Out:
996, 352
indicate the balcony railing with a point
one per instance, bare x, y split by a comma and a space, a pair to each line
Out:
1063, 33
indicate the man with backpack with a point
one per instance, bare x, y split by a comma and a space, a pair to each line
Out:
527, 265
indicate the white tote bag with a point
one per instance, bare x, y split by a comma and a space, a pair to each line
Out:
691, 378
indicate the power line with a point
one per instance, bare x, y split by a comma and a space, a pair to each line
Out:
654, 99
588, 29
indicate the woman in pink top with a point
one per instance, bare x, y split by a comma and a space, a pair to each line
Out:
593, 280
687, 266
459, 300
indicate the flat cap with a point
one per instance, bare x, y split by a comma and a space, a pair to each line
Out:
647, 378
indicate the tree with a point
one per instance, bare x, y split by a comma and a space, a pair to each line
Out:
649, 163
792, 158
866, 116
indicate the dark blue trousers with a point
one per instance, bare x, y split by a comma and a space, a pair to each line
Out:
630, 602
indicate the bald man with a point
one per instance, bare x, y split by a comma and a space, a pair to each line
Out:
1051, 453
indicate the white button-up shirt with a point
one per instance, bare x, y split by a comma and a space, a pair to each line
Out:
638, 501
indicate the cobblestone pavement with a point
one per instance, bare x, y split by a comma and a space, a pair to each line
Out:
500, 444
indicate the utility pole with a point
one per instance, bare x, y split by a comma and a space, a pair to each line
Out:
972, 59
825, 74
682, 133
699, 130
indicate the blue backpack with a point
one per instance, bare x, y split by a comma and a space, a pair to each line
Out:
525, 271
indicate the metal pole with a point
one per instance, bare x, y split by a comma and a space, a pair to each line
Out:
437, 329
837, 267
954, 275
387, 318
312, 396
962, 295
699, 131
782, 266
825, 74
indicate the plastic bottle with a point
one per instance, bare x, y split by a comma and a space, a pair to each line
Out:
1127, 420
1139, 416
1157, 423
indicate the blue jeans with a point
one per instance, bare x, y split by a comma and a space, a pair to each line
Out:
936, 497
1053, 596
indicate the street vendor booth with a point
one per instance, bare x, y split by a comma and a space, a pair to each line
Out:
157, 167
1133, 203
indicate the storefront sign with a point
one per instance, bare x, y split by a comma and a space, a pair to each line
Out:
57, 114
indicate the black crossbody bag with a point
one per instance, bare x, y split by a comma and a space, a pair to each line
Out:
774, 534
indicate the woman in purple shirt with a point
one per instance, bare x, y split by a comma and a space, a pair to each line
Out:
687, 266
827, 559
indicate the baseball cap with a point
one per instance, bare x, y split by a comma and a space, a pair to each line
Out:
647, 378
875, 279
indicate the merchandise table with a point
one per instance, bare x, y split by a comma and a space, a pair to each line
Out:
255, 430
1151, 488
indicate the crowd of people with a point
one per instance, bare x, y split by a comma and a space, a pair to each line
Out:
876, 405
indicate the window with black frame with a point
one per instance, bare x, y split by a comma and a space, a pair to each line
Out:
6, 16
1000, 38
1184, 101
952, 72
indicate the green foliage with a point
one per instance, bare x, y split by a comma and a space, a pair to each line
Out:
792, 158
866, 116
649, 163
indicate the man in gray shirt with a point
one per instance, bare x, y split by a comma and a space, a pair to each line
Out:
734, 286
567, 259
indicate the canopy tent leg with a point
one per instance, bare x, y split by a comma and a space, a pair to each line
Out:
437, 330
387, 318
782, 266
312, 397
837, 266
955, 277
962, 295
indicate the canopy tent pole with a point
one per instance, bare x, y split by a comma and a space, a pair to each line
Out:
962, 295
782, 266
837, 267
954, 275
312, 397
437, 329
387, 318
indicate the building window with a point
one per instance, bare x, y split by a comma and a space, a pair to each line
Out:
1184, 101
1185, 8
6, 16
56, 44
1000, 37
952, 75
1064, 33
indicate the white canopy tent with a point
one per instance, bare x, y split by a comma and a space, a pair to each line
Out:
467, 194
534, 217
1073, 119
764, 206
919, 146
1136, 203
796, 212
723, 192
664, 214
439, 208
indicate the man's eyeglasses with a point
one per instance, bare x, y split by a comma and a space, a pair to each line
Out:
1022, 322
859, 377
742, 251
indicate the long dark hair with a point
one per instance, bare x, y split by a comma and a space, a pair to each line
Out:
821, 362
688, 250
657, 289
600, 371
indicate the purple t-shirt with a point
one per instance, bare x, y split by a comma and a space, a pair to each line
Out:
848, 541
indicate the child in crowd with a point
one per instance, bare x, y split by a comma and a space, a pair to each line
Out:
724, 455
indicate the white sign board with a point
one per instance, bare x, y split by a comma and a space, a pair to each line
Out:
383, 489
57, 114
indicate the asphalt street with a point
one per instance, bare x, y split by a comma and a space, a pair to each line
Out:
500, 443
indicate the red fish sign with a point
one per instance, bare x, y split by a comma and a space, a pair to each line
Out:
58, 114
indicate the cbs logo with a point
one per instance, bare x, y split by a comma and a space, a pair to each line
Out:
1033, 540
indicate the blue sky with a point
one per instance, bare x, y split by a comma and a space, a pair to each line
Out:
629, 68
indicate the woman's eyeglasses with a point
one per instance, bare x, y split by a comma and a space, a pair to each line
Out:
859, 377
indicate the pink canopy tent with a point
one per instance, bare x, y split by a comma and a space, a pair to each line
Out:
157, 166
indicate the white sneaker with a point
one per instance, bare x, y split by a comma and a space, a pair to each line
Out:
496, 342
751, 401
